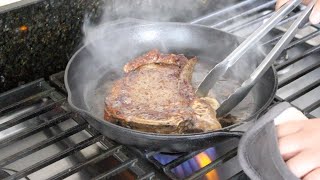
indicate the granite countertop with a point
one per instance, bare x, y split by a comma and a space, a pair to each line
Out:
37, 37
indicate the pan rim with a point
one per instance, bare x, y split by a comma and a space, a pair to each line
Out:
224, 131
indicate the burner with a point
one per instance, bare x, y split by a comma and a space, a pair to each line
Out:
191, 165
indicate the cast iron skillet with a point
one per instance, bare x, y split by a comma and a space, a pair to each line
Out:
93, 68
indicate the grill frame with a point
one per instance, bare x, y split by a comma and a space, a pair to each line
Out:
127, 160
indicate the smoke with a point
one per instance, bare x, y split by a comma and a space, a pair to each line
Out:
117, 14
150, 10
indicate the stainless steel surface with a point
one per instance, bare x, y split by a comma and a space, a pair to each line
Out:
22, 126
220, 69
240, 93
35, 149
55, 148
59, 166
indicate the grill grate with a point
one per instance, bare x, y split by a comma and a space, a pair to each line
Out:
238, 23
55, 103
48, 101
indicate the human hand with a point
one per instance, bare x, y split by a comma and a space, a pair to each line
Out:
299, 144
315, 14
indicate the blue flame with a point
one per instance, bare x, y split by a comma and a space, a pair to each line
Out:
165, 158
188, 167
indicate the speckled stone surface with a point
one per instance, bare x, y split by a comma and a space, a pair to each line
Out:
38, 39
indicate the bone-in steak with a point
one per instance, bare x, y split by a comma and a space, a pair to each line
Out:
156, 95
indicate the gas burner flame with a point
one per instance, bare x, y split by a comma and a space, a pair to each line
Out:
192, 165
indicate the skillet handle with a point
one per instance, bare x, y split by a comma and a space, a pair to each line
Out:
270, 115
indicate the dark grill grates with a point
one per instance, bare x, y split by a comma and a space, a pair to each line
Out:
80, 166
218, 162
43, 144
60, 118
227, 23
127, 160
213, 21
52, 159
167, 168
250, 14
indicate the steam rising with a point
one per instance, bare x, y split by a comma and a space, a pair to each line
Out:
123, 13
114, 11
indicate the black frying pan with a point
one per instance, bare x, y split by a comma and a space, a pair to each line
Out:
93, 68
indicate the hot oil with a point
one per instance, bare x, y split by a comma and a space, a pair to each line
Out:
104, 85
222, 89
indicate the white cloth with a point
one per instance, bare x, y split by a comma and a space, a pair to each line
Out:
290, 114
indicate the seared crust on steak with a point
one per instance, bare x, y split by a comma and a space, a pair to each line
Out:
154, 57
156, 95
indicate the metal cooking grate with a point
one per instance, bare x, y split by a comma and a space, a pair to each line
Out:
41, 104
46, 107
228, 151
298, 73
241, 23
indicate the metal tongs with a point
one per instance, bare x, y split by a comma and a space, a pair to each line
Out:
220, 69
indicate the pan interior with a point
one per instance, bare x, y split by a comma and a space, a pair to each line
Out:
241, 112
95, 67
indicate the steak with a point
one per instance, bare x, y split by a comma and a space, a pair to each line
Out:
156, 95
